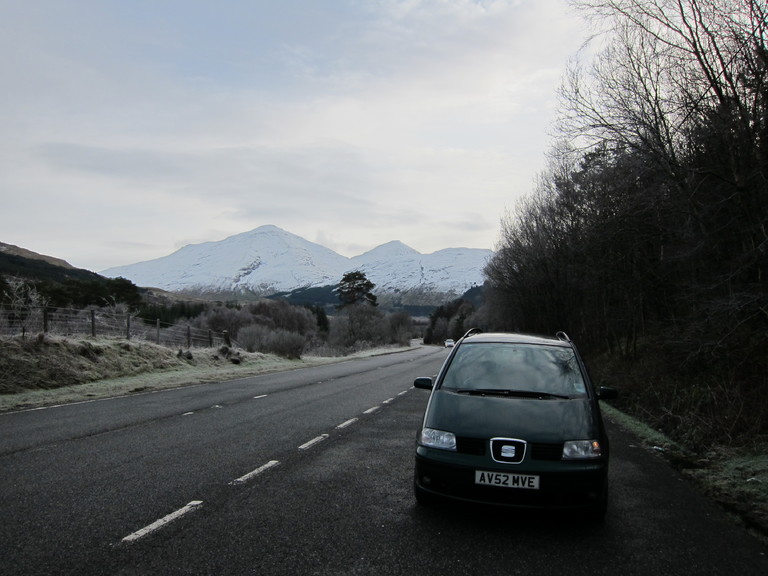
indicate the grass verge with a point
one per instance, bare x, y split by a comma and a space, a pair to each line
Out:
50, 370
735, 477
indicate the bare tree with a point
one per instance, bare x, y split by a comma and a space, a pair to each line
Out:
651, 226
25, 303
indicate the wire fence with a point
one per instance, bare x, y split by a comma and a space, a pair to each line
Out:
107, 322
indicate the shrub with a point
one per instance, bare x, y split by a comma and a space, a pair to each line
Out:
256, 338
400, 326
223, 318
281, 314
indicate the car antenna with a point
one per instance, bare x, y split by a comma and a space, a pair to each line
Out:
563, 336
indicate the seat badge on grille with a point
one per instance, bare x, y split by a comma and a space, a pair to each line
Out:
508, 451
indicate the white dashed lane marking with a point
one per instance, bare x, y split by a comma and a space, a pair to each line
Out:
195, 504
163, 521
312, 442
347, 423
254, 473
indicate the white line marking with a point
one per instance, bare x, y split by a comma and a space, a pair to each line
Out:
259, 470
347, 423
262, 396
313, 442
403, 392
187, 413
163, 521
388, 400
371, 410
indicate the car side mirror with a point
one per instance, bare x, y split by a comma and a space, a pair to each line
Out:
607, 393
423, 382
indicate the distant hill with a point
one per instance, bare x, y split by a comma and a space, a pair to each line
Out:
15, 261
325, 297
11, 250
60, 283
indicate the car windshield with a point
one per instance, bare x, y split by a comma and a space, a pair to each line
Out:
515, 369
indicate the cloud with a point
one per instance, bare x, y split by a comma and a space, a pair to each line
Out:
130, 127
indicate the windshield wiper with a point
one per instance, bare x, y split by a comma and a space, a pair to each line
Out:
510, 393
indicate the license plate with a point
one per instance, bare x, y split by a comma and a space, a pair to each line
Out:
504, 480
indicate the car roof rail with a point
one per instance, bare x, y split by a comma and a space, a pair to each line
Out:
472, 331
563, 336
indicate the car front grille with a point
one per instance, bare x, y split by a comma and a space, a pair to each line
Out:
538, 451
474, 446
547, 451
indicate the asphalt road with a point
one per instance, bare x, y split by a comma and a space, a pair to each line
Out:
310, 472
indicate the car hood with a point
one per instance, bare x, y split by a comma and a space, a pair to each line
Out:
534, 420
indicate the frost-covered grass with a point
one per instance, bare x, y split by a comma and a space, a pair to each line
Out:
48, 370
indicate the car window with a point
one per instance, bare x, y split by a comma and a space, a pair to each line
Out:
519, 367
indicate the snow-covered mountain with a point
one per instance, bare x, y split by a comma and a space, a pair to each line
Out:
268, 260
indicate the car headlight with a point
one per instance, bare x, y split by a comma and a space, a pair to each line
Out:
438, 439
579, 449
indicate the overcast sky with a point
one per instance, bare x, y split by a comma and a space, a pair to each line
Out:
131, 128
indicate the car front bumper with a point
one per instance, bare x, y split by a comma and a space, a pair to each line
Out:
571, 488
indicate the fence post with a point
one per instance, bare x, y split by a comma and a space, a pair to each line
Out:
128, 327
158, 331
45, 320
227, 340
189, 337
93, 322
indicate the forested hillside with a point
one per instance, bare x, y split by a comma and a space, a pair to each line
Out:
647, 236
58, 284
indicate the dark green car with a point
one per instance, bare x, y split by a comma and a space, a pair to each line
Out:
514, 420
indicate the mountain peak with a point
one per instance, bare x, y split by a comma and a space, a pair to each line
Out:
267, 229
393, 249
